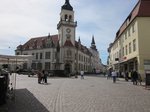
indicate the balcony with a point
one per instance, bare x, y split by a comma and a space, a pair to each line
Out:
68, 23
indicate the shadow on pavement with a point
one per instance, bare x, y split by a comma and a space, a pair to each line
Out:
24, 102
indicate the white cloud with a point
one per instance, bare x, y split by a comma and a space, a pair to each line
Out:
22, 19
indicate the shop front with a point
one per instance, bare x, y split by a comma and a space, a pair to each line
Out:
129, 65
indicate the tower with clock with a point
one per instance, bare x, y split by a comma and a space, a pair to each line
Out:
61, 52
66, 32
66, 26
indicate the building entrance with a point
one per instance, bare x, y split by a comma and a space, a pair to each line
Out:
67, 69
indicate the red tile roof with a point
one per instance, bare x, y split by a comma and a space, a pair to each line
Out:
68, 43
82, 48
39, 41
142, 9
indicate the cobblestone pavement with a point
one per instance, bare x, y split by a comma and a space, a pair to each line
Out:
92, 94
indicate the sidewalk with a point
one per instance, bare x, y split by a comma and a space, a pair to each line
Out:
92, 94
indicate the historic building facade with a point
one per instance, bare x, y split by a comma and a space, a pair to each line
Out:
130, 49
61, 51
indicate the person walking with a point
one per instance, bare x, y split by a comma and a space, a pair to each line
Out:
109, 74
126, 76
135, 77
45, 76
40, 75
82, 74
114, 75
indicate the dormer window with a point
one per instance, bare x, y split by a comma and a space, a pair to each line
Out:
43, 43
27, 47
35, 44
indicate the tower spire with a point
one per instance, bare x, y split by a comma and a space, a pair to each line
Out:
93, 41
79, 40
67, 6
67, 1
93, 46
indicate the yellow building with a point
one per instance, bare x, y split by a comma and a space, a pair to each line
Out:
131, 47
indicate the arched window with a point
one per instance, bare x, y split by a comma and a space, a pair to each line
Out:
70, 18
66, 17
69, 53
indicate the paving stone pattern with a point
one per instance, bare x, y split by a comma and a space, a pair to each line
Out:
92, 94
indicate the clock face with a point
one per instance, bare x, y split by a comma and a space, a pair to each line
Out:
68, 30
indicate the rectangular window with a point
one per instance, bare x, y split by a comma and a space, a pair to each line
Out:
69, 53
129, 47
125, 35
47, 55
120, 42
129, 33
47, 65
133, 28
36, 55
75, 56
123, 51
120, 53
41, 55
79, 57
126, 50
79, 67
134, 45
117, 54
122, 39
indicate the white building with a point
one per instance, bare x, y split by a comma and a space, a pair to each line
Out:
61, 51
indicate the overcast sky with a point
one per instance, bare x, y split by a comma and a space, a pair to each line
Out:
21, 20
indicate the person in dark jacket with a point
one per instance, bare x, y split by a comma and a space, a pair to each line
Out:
134, 77
126, 76
45, 76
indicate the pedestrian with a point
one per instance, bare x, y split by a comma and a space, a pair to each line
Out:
45, 76
114, 75
40, 75
134, 77
126, 76
108, 74
82, 74
122, 74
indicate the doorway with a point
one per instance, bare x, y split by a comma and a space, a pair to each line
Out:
67, 69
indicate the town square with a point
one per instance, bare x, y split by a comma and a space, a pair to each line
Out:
75, 56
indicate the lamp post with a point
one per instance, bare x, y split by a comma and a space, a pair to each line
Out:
76, 74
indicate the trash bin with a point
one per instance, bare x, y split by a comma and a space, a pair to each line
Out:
3, 90
147, 79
